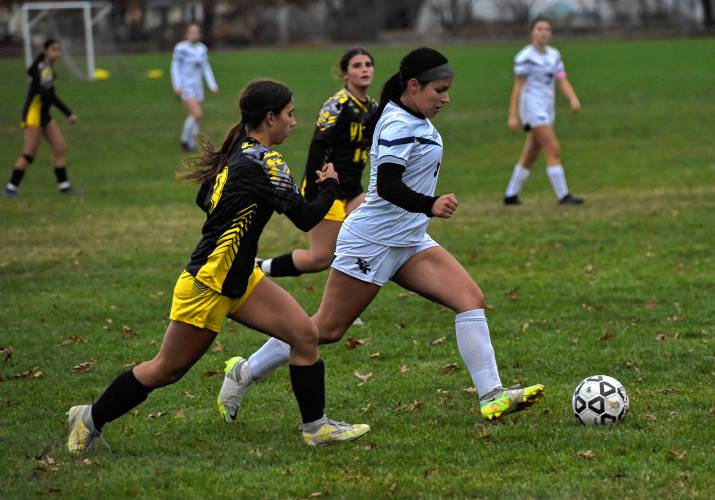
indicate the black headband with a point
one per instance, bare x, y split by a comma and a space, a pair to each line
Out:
441, 72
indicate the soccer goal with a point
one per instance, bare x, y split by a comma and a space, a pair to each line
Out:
90, 13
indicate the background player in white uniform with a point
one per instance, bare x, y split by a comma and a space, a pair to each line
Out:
385, 239
536, 68
189, 66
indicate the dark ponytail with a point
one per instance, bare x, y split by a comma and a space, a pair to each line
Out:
256, 100
413, 65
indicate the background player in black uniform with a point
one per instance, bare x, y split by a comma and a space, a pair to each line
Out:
242, 184
36, 120
342, 136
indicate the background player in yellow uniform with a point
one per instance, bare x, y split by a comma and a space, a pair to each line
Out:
37, 121
342, 136
242, 184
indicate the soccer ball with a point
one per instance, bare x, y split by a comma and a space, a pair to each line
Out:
600, 400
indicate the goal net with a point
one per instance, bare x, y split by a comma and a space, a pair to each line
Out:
82, 27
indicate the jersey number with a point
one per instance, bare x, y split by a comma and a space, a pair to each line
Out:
219, 183
360, 156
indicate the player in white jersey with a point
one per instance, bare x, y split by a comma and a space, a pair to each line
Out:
385, 239
189, 67
537, 67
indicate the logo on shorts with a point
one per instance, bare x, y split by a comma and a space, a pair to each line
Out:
363, 265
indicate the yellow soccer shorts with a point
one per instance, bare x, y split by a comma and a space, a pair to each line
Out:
196, 304
338, 211
32, 118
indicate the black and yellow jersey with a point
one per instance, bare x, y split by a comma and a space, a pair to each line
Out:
41, 95
238, 203
341, 136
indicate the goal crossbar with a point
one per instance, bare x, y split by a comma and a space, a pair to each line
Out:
28, 21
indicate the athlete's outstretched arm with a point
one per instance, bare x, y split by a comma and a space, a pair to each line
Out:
513, 121
209, 76
570, 93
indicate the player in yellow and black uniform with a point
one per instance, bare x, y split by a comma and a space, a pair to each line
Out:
342, 136
242, 184
37, 121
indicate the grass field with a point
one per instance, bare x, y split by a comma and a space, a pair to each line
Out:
623, 286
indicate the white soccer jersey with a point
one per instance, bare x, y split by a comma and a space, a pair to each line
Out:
541, 71
404, 139
189, 64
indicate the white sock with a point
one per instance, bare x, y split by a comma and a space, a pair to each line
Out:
518, 178
558, 180
186, 131
476, 349
273, 354
266, 266
192, 133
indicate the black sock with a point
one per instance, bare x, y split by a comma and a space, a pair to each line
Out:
16, 177
122, 395
61, 174
283, 266
308, 384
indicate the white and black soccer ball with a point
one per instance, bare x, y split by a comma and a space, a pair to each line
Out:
600, 400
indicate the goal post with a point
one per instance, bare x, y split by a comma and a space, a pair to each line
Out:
92, 13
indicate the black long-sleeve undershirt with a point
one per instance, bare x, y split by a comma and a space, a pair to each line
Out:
307, 215
390, 187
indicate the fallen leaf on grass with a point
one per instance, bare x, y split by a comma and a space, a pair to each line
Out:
189, 395
213, 373
6, 353
218, 347
157, 414
399, 325
513, 294
319, 494
404, 369
415, 406
649, 305
450, 367
353, 343
470, 390
374, 355
525, 327
72, 339
366, 408
83, 367
588, 269
585, 454
48, 464
370, 446
83, 461
651, 418
107, 324
438, 341
606, 336
179, 413
127, 331
660, 337
33, 372
364, 378
678, 455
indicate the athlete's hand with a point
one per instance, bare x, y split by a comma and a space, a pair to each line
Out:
445, 206
513, 123
177, 91
575, 104
216, 90
72, 119
328, 172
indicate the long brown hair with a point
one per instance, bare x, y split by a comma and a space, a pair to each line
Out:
256, 100
341, 66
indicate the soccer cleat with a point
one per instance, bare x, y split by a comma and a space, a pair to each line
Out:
571, 200
500, 401
10, 193
81, 438
331, 432
512, 200
235, 384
